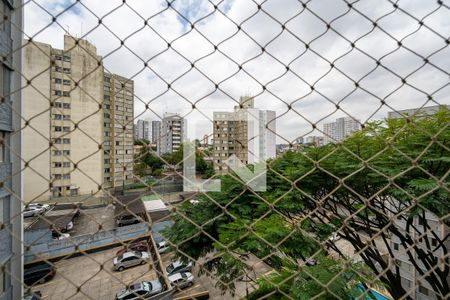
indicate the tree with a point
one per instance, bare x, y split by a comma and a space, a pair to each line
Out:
392, 170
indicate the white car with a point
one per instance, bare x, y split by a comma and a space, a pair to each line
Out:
62, 236
182, 280
162, 247
32, 211
39, 205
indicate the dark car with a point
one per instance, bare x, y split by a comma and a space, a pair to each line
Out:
127, 220
141, 246
33, 296
39, 274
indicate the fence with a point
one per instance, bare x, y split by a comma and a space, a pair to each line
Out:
312, 138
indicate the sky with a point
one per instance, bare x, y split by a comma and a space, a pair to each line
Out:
310, 63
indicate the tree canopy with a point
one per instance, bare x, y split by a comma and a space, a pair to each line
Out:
378, 183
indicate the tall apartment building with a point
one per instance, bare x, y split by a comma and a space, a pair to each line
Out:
10, 149
142, 129
247, 132
417, 112
67, 121
156, 131
338, 130
118, 105
172, 133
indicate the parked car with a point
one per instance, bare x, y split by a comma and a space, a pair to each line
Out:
127, 220
60, 236
333, 237
178, 266
33, 296
140, 290
68, 227
310, 261
39, 205
31, 211
182, 280
140, 246
162, 246
129, 259
39, 274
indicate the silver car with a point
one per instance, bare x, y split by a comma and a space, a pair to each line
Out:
182, 280
32, 211
129, 259
140, 290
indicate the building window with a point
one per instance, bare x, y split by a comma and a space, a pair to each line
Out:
66, 117
66, 129
57, 141
66, 58
66, 152
58, 93
57, 117
66, 70
117, 143
58, 57
58, 128
58, 80
56, 152
423, 290
434, 242
66, 82
57, 176
66, 164
57, 165
66, 141
66, 176
58, 69
107, 170
66, 105
66, 94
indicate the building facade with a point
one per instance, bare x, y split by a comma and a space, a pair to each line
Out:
417, 112
156, 132
338, 130
425, 239
172, 133
69, 115
247, 132
315, 140
10, 149
118, 130
142, 130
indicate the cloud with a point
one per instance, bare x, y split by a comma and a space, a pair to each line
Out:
201, 63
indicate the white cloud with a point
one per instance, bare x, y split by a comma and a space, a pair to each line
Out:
125, 21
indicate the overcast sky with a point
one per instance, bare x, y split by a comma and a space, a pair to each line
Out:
281, 27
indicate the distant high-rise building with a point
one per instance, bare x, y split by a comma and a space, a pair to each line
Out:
69, 85
156, 131
11, 166
172, 133
417, 112
234, 134
142, 129
338, 130
315, 140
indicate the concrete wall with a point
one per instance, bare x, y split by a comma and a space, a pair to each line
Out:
36, 150
85, 101
45, 246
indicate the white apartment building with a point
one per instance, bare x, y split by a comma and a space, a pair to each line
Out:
172, 133
338, 130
